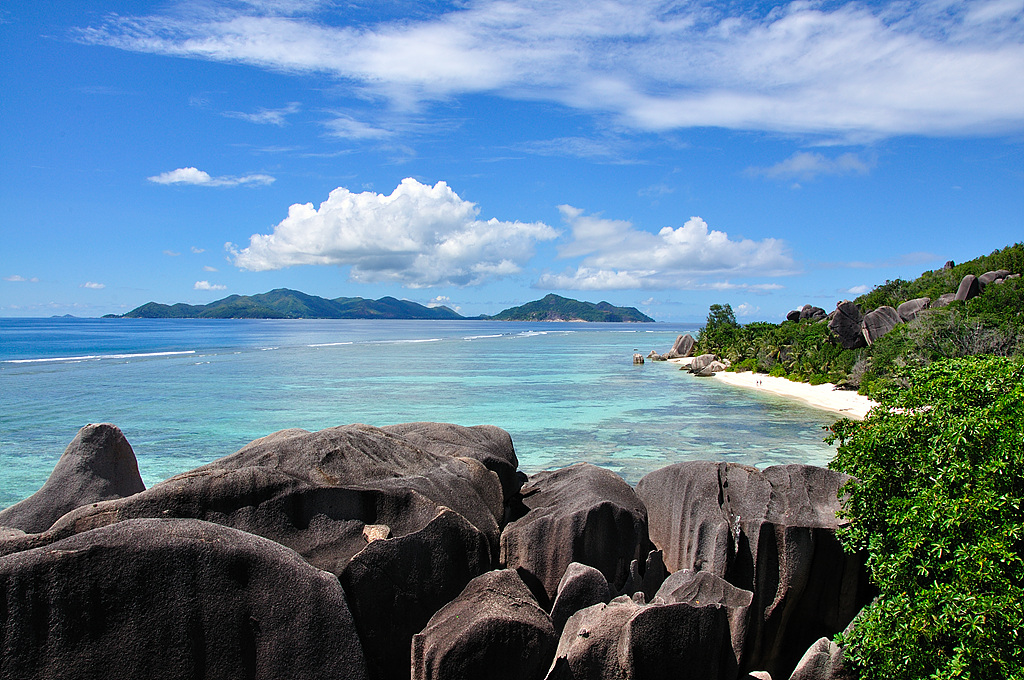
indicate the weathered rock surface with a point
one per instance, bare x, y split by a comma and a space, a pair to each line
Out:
909, 310
493, 629
488, 444
710, 369
793, 315
812, 312
682, 348
823, 661
993, 276
701, 362
629, 639
317, 492
771, 532
98, 465
583, 514
943, 300
581, 586
969, 288
879, 322
172, 599
846, 325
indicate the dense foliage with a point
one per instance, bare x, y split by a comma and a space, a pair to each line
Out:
806, 350
934, 283
939, 508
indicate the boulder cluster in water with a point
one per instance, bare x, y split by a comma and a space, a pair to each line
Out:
420, 551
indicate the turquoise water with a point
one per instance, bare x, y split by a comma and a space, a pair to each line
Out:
188, 391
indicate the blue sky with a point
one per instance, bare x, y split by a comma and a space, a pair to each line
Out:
481, 154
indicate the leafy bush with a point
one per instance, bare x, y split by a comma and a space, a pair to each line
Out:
939, 508
818, 379
778, 371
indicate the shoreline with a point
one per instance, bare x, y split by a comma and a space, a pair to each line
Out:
824, 396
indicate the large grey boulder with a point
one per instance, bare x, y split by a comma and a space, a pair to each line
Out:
98, 465
823, 661
627, 638
793, 315
583, 514
493, 629
969, 288
488, 444
404, 524
846, 324
171, 598
771, 532
879, 322
943, 300
581, 586
993, 276
701, 362
682, 348
812, 312
909, 310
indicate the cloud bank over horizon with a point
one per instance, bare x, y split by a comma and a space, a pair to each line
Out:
197, 177
616, 255
848, 71
419, 236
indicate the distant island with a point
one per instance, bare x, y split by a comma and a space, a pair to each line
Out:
284, 303
556, 308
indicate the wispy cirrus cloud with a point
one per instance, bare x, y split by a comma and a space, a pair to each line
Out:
92, 285
848, 70
195, 177
806, 166
16, 278
263, 116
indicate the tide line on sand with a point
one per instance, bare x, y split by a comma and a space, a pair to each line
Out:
825, 396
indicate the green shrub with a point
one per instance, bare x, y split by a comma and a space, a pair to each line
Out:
938, 509
778, 371
818, 379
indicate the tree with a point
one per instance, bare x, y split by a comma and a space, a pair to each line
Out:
939, 508
719, 329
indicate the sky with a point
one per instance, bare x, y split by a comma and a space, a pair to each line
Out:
481, 154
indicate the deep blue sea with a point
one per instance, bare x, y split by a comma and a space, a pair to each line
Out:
188, 391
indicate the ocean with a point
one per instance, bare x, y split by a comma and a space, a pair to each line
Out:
188, 391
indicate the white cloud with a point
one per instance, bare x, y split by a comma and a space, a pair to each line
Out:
197, 251
439, 301
418, 236
172, 253
744, 310
615, 255
15, 278
93, 285
346, 127
858, 290
198, 177
206, 285
208, 268
807, 166
266, 116
849, 70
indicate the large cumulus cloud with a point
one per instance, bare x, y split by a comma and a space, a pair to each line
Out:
418, 236
616, 255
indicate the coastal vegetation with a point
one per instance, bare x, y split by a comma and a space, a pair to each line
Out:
807, 350
938, 511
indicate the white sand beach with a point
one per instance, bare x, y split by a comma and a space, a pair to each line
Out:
825, 396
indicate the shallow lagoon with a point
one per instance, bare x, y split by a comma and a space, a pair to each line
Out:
188, 391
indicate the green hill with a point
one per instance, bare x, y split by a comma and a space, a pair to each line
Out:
556, 308
292, 304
